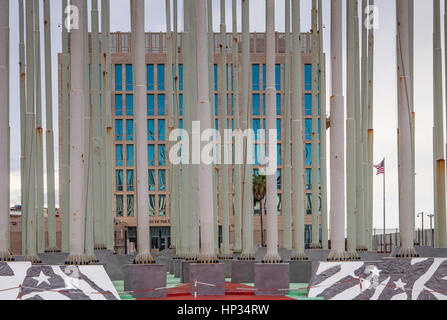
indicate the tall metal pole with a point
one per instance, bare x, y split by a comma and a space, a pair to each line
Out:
287, 176
404, 146
360, 112
207, 253
97, 138
411, 98
52, 246
370, 141
298, 203
223, 110
195, 134
315, 244
175, 186
351, 134
65, 165
237, 167
88, 175
384, 208
272, 255
186, 208
337, 137
39, 134
5, 254
323, 165
439, 125
173, 199
77, 147
30, 141
23, 185
212, 106
109, 216
143, 231
247, 182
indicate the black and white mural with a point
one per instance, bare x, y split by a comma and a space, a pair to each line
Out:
23, 281
389, 279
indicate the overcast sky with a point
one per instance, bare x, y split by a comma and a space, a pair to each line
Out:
385, 95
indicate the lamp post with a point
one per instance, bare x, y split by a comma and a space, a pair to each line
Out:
431, 228
422, 215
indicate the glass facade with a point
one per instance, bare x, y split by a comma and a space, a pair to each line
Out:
157, 117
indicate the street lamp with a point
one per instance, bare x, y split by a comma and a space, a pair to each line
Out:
422, 215
431, 230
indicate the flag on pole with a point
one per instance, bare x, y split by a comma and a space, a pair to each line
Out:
380, 168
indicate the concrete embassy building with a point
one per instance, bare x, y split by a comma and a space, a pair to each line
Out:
124, 177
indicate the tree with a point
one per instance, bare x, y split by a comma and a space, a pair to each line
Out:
259, 192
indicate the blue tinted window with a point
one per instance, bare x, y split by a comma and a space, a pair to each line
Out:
161, 77
150, 105
308, 179
129, 77
215, 77
180, 100
319, 131
119, 155
256, 124
161, 155
130, 180
151, 155
161, 180
278, 150
308, 104
264, 77
129, 130
232, 78
150, 130
278, 179
308, 77
308, 154
256, 154
129, 153
119, 180
309, 211
278, 128
256, 105
150, 77
180, 72
129, 104
263, 104
216, 104
278, 104
278, 76
161, 130
308, 129
119, 130
119, 104
151, 178
118, 77
161, 104
255, 76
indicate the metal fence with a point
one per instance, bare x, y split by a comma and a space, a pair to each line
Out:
387, 243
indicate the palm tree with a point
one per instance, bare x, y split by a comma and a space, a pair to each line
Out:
259, 191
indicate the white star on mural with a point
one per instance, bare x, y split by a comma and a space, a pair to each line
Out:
375, 271
41, 278
400, 285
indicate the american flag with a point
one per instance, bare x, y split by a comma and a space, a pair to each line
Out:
380, 168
